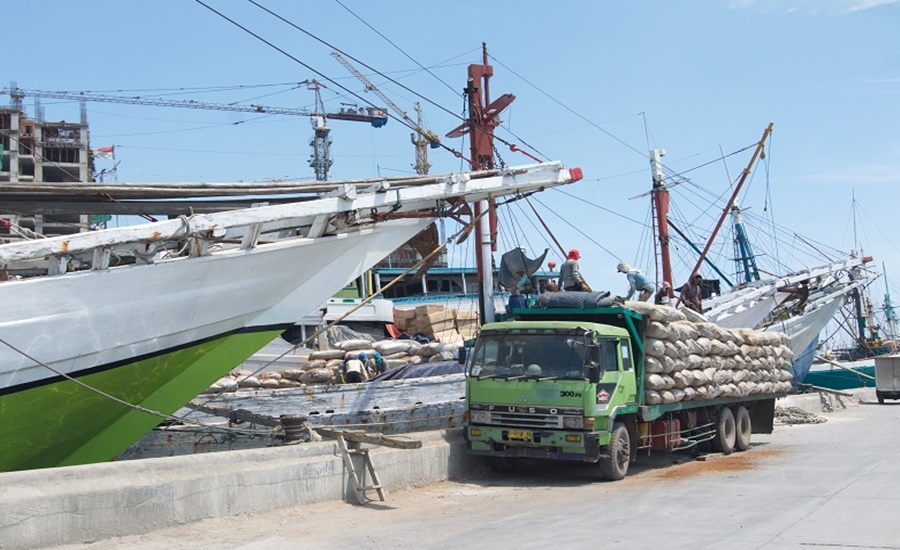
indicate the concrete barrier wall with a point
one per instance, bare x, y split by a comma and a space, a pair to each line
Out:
80, 504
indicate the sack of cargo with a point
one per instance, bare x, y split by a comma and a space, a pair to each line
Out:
248, 382
654, 347
327, 354
390, 347
317, 376
655, 382
292, 374
396, 363
704, 344
678, 365
652, 365
682, 348
657, 330
351, 345
333, 364
692, 315
671, 350
693, 362
667, 397
269, 383
226, 384
652, 397
689, 394
683, 379
700, 393
288, 383
668, 364
700, 378
678, 393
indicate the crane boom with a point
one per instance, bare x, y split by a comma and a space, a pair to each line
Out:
425, 137
373, 115
320, 143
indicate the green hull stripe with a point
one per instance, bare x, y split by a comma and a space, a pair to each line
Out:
63, 423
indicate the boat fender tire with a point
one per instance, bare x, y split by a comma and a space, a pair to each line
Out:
723, 441
613, 465
743, 428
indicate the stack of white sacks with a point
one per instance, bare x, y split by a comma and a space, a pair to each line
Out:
690, 359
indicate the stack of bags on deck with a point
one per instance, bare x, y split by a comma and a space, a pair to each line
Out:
689, 359
322, 367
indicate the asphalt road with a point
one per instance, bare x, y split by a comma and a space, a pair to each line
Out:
833, 485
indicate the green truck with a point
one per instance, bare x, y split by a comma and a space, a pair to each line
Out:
574, 384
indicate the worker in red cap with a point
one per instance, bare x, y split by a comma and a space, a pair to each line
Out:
570, 278
662, 296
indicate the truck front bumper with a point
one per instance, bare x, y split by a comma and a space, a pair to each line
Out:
552, 444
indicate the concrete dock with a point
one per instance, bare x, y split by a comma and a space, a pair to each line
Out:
833, 484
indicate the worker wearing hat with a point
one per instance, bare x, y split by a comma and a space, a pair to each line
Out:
663, 295
570, 278
691, 294
637, 282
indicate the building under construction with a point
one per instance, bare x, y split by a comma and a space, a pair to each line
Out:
37, 151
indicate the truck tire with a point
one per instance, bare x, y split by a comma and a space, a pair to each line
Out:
743, 429
723, 441
880, 397
614, 466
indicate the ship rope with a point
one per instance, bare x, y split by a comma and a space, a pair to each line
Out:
183, 419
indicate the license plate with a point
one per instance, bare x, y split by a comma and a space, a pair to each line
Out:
519, 434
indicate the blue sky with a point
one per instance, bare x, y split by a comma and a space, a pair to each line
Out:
598, 84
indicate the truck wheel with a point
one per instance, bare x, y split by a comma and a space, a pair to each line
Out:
614, 466
743, 429
880, 397
723, 441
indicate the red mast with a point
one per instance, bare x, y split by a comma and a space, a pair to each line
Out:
483, 119
661, 204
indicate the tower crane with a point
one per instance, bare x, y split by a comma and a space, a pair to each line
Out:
320, 160
422, 138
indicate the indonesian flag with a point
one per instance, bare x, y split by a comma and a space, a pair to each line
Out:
106, 152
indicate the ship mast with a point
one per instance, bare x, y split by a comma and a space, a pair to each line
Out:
483, 119
660, 199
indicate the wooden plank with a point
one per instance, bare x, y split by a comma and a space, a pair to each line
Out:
372, 439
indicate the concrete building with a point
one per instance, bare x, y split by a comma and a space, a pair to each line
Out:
35, 151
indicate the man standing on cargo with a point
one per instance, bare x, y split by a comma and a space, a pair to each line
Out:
570, 278
691, 296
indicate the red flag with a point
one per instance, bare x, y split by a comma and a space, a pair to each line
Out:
106, 152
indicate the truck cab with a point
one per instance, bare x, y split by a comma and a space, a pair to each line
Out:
548, 389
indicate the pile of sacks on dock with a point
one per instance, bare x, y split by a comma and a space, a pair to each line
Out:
690, 359
322, 367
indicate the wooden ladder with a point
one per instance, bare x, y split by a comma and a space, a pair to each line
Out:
357, 479
349, 444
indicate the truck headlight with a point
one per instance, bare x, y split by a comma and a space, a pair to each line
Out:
479, 417
573, 422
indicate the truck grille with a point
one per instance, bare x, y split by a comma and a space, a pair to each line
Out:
514, 416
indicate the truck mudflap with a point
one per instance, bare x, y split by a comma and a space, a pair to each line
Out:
587, 450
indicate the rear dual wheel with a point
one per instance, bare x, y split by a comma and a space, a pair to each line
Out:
743, 429
724, 439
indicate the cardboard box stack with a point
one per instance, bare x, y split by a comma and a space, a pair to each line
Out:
466, 323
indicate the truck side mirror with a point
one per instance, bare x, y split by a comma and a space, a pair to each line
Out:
463, 353
593, 373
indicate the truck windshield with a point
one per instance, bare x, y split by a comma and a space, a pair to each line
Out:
538, 356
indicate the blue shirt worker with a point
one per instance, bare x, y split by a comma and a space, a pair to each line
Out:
637, 282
